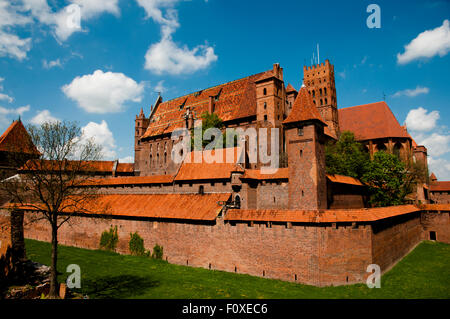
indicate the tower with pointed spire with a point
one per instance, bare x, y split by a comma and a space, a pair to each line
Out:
305, 140
140, 126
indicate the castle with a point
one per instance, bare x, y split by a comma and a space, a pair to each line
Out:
296, 223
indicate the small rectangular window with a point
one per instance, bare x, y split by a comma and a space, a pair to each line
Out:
300, 131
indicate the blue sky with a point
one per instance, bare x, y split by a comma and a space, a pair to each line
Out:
123, 52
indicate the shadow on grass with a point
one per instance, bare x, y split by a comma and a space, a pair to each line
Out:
118, 287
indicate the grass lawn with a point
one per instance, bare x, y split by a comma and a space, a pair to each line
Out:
424, 273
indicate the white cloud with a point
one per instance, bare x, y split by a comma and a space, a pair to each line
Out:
13, 46
6, 97
427, 44
42, 117
166, 56
420, 120
126, 159
51, 64
412, 92
342, 74
100, 134
18, 111
440, 167
436, 144
93, 8
103, 92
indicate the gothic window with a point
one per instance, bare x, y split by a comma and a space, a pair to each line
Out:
397, 149
320, 90
314, 93
326, 101
151, 160
165, 157
237, 201
325, 91
265, 105
321, 102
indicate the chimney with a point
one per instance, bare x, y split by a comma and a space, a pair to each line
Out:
211, 105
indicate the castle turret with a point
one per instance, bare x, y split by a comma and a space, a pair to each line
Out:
304, 131
140, 127
319, 80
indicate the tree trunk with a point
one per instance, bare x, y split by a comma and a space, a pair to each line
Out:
54, 287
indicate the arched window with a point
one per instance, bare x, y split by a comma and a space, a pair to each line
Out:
314, 93
165, 158
320, 91
381, 147
326, 101
398, 149
265, 105
321, 102
237, 201
325, 91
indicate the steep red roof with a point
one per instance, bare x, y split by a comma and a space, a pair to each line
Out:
233, 100
303, 109
370, 121
433, 177
197, 166
290, 88
325, 216
17, 139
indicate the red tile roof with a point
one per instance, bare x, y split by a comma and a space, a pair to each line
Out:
17, 139
190, 170
433, 177
125, 168
234, 100
281, 173
443, 186
435, 207
50, 165
370, 121
344, 180
131, 180
325, 216
171, 206
290, 88
303, 109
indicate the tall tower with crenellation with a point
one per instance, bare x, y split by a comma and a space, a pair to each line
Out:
319, 79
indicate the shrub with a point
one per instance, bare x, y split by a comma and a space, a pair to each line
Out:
136, 245
157, 252
109, 239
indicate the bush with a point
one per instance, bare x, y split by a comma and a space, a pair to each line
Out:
109, 239
136, 245
157, 252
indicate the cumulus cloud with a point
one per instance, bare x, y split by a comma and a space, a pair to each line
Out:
427, 44
6, 97
420, 120
7, 114
412, 92
436, 144
100, 134
42, 117
103, 92
166, 56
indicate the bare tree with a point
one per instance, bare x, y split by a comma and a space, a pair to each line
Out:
53, 186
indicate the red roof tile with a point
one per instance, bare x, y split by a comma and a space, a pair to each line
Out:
171, 206
290, 88
281, 173
125, 168
132, 180
236, 99
326, 216
370, 121
435, 207
344, 180
17, 139
190, 170
443, 186
303, 109
49, 165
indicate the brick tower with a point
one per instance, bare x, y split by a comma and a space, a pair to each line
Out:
140, 126
319, 80
304, 131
